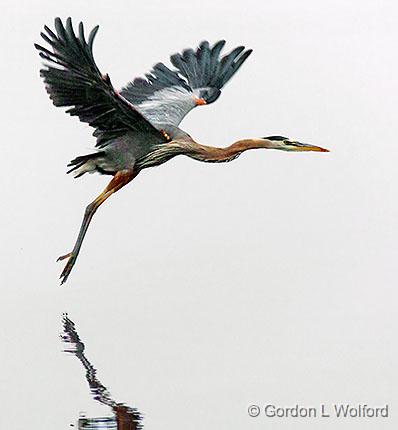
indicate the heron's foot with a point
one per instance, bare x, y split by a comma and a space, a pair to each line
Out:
64, 256
68, 267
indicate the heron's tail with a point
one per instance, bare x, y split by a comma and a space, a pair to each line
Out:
86, 164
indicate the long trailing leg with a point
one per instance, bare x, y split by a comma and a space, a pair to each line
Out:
120, 179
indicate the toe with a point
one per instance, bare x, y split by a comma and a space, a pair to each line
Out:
68, 255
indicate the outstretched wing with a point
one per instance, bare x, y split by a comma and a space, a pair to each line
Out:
199, 74
73, 79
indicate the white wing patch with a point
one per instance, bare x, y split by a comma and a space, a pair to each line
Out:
167, 106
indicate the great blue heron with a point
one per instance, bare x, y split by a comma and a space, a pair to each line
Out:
137, 127
126, 418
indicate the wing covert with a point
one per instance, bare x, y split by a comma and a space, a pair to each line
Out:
201, 74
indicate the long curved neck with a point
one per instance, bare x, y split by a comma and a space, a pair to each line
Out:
212, 154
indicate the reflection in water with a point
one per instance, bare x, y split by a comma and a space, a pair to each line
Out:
97, 423
125, 418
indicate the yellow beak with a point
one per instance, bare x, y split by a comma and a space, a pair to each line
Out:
306, 147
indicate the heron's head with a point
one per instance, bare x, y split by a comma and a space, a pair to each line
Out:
205, 96
286, 144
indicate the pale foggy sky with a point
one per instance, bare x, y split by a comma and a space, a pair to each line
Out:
203, 288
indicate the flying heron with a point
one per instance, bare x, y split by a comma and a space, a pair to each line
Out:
138, 127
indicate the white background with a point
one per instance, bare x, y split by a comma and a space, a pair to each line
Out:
203, 288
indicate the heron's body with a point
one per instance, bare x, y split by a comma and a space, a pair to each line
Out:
138, 127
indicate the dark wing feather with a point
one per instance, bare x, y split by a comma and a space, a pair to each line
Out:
203, 68
158, 78
235, 65
73, 79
